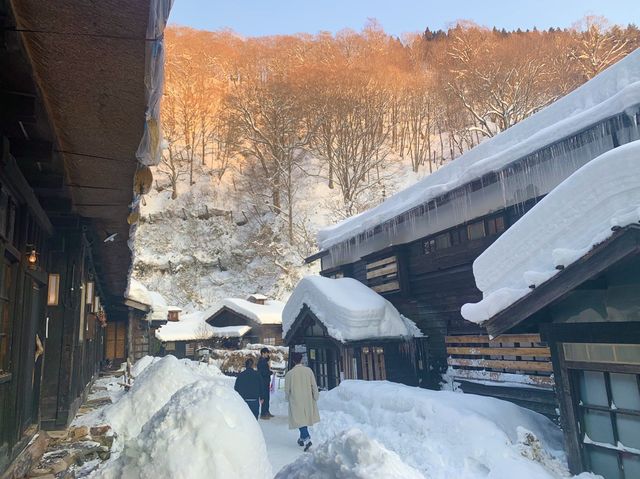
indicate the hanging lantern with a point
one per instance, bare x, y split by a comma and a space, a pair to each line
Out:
32, 259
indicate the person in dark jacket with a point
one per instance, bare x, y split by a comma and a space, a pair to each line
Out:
265, 374
249, 386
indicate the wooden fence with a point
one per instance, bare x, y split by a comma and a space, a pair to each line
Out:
514, 367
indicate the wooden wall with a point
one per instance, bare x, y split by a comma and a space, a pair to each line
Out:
227, 317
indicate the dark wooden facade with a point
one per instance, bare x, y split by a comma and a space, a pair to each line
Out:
589, 314
401, 360
69, 130
270, 334
435, 278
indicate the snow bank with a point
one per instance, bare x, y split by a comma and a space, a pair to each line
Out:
350, 455
444, 434
142, 364
205, 430
607, 94
268, 313
151, 390
349, 310
559, 230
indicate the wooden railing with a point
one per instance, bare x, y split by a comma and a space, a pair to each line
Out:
510, 358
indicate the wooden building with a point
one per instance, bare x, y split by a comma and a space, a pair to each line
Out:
262, 315
417, 248
357, 336
576, 282
73, 110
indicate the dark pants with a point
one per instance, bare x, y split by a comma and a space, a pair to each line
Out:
265, 403
304, 433
254, 405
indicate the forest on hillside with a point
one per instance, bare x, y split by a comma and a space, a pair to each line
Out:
255, 108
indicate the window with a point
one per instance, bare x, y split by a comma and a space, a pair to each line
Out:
269, 341
53, 290
443, 241
609, 418
495, 225
429, 246
170, 346
476, 230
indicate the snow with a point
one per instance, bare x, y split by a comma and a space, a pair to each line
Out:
190, 326
142, 364
350, 455
348, 309
204, 430
443, 434
230, 331
579, 214
609, 93
151, 390
268, 313
138, 292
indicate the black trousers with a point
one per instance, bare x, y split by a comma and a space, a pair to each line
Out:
265, 403
254, 405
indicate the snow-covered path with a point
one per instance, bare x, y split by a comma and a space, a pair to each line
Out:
281, 442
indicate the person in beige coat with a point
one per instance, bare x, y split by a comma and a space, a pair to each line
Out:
302, 393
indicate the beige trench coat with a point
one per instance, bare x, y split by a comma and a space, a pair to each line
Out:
302, 393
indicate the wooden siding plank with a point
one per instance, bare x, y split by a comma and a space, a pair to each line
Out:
381, 262
502, 364
543, 381
390, 269
386, 287
505, 338
479, 351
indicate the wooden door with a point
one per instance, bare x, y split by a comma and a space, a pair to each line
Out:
373, 366
116, 340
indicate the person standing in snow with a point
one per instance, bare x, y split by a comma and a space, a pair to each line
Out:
302, 393
265, 374
249, 386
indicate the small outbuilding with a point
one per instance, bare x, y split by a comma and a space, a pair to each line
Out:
570, 270
348, 331
263, 316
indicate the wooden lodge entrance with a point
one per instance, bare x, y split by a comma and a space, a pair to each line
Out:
115, 345
324, 361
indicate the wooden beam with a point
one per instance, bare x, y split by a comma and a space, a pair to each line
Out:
475, 351
502, 364
504, 338
33, 150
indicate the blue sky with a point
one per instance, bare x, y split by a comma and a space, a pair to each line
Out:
269, 17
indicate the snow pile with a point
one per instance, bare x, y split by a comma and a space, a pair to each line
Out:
268, 313
350, 455
562, 228
205, 430
607, 94
151, 390
348, 309
444, 434
142, 364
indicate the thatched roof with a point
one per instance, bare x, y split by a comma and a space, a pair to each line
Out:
89, 62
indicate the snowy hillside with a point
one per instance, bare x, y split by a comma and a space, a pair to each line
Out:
213, 241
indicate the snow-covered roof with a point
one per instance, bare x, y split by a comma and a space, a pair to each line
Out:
258, 297
174, 308
607, 94
579, 214
268, 313
138, 292
193, 326
348, 309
